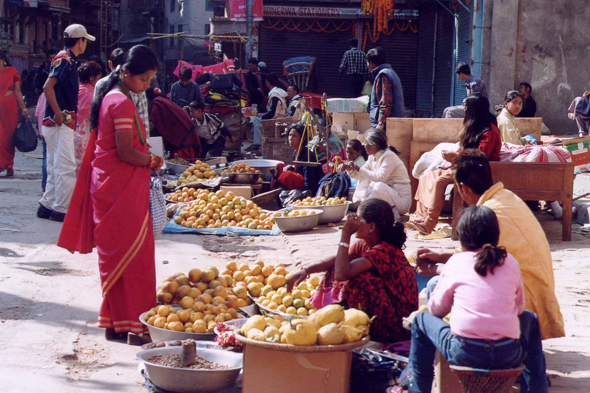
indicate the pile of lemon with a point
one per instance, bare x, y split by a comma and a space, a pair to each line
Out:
293, 213
185, 194
320, 201
240, 168
199, 172
220, 209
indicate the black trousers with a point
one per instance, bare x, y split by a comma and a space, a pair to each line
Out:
355, 85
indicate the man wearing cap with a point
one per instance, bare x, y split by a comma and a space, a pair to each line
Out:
59, 123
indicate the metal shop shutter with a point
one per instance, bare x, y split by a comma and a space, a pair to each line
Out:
426, 59
402, 53
463, 51
444, 61
278, 46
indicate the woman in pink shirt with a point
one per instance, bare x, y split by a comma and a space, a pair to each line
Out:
482, 288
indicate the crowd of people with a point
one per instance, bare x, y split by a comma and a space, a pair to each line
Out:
95, 124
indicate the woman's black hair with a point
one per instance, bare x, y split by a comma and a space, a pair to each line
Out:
138, 60
151, 94
273, 79
473, 170
378, 212
117, 57
478, 228
99, 61
512, 94
358, 146
4, 57
379, 138
478, 120
89, 69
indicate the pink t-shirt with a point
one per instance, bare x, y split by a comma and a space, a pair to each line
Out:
481, 307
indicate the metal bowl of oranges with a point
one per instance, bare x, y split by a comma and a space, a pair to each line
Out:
290, 220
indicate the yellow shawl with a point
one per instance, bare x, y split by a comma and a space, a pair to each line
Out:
523, 237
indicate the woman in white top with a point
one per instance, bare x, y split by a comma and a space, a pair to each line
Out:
384, 176
507, 122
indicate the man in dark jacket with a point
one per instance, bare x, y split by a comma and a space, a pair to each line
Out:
529, 106
43, 72
387, 97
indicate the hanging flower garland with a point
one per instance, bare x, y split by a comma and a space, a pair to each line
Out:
303, 26
382, 11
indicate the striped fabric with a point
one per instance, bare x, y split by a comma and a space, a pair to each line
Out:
534, 153
121, 124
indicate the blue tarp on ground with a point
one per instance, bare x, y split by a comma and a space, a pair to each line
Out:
173, 227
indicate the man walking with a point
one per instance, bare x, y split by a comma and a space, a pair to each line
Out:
354, 66
59, 123
387, 97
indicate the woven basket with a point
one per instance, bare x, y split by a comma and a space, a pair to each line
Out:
302, 348
474, 380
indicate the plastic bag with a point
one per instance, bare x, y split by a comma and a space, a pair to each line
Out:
25, 137
157, 206
371, 373
288, 197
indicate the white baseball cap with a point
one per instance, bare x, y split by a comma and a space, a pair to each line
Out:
77, 31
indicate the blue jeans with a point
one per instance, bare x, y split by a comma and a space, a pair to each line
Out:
356, 82
430, 333
257, 131
44, 165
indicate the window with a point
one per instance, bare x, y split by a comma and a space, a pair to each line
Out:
180, 28
171, 38
207, 29
172, 5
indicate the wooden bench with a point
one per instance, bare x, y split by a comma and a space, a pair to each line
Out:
532, 181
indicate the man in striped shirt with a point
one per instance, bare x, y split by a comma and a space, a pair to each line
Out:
354, 66
185, 90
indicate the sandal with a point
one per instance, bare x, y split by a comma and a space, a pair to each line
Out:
9, 172
138, 339
417, 227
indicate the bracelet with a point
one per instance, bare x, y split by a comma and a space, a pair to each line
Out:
345, 245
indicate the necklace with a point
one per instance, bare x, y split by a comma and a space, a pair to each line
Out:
139, 130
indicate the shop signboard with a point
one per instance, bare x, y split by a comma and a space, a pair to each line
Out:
274, 11
237, 10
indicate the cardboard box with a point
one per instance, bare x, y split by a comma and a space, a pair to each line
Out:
362, 121
270, 371
344, 120
445, 381
239, 191
579, 149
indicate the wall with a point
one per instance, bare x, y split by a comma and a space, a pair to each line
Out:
194, 20
552, 53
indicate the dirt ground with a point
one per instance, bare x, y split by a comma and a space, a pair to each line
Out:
49, 299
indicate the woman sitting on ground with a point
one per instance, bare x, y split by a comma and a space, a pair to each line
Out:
384, 176
479, 132
373, 275
311, 174
356, 153
482, 288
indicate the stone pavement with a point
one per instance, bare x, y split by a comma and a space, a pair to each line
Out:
49, 299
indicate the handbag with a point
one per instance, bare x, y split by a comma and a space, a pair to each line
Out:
328, 292
157, 206
25, 137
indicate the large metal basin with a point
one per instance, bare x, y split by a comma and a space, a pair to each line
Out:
330, 213
264, 166
243, 178
299, 223
176, 169
159, 334
193, 381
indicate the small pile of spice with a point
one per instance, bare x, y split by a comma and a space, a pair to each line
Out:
174, 361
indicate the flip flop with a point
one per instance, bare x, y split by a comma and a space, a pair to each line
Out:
417, 227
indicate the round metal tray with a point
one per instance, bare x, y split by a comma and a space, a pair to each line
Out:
187, 380
264, 166
243, 178
330, 213
176, 169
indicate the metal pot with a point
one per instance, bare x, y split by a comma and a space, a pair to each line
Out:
330, 213
243, 178
193, 381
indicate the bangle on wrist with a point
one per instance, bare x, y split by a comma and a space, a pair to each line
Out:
343, 244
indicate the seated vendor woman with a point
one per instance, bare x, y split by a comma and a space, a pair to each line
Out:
479, 132
373, 274
482, 288
507, 121
211, 130
384, 176
313, 173
356, 153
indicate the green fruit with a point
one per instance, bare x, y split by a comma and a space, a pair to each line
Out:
297, 303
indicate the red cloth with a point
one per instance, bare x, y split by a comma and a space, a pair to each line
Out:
176, 128
8, 116
198, 70
289, 180
110, 209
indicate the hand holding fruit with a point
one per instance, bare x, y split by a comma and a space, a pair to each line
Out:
296, 278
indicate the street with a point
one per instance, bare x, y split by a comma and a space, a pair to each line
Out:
49, 299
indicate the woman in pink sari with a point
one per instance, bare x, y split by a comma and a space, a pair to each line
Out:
90, 72
110, 208
10, 100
